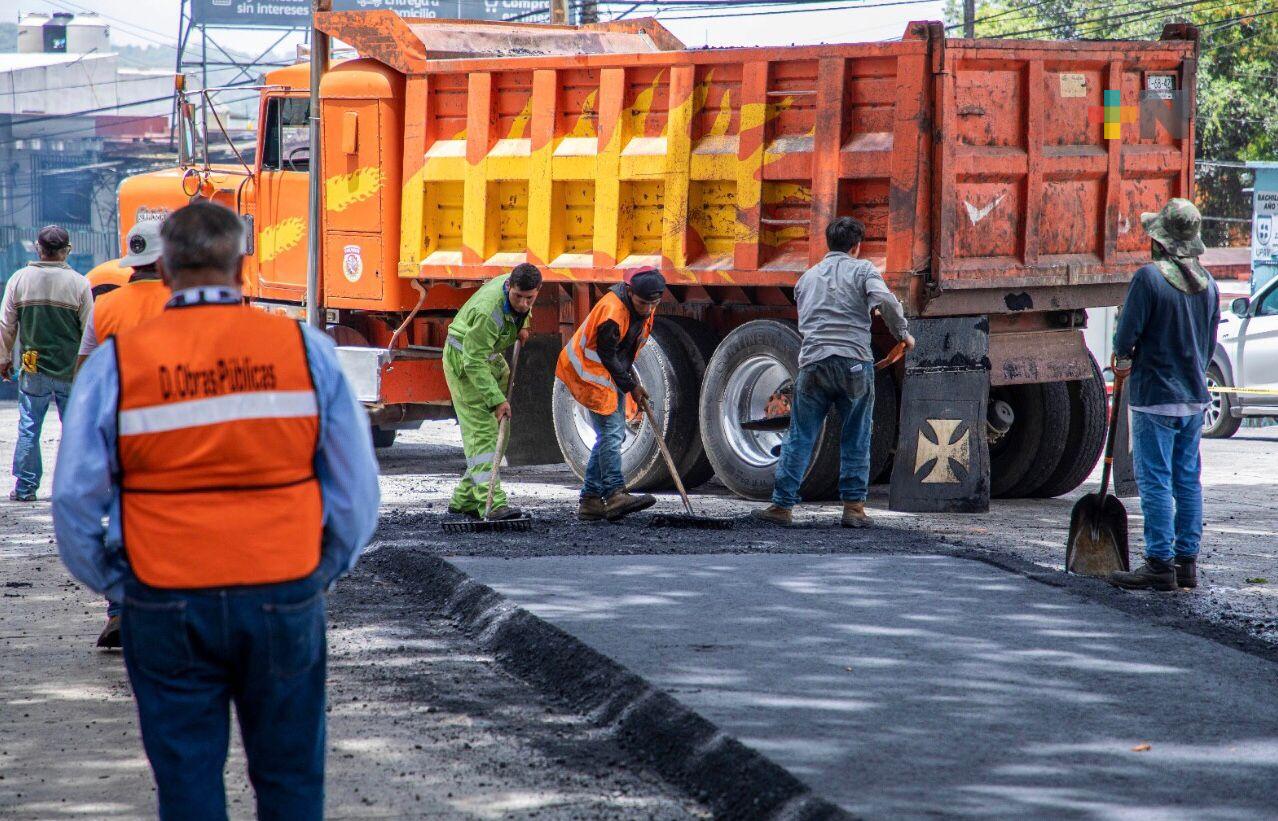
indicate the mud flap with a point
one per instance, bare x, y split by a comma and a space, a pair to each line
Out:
942, 457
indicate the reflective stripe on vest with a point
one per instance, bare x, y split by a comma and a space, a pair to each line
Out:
127, 307
218, 425
580, 367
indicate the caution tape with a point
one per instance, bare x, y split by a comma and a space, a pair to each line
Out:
1256, 391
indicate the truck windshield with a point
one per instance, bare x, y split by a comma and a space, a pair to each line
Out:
288, 134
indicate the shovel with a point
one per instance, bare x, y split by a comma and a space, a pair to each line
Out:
684, 520
1097, 544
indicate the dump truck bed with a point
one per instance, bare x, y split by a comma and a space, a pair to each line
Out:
980, 168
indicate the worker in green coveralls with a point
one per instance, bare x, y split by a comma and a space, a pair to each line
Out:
478, 376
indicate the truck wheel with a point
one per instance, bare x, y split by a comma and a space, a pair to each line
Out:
698, 342
673, 402
532, 438
1084, 438
383, 437
1012, 455
1046, 452
751, 363
886, 420
1218, 422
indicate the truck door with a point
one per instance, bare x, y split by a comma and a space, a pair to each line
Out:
1258, 349
282, 198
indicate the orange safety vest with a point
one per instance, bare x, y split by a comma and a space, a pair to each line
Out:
218, 425
128, 307
579, 365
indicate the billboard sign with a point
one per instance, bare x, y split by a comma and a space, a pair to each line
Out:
296, 13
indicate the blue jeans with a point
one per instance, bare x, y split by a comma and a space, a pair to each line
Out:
1165, 456
190, 653
848, 386
603, 471
35, 391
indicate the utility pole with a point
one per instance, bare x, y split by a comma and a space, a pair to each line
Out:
589, 11
969, 18
559, 12
314, 229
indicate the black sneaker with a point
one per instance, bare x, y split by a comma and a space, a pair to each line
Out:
15, 496
470, 514
110, 638
505, 513
1186, 573
1154, 574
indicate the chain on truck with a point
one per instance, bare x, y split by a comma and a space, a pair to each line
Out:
446, 152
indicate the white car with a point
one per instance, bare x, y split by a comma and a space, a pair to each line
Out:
1246, 356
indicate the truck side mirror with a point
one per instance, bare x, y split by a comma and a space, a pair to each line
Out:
1239, 306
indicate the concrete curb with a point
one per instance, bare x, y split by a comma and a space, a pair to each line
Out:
733, 780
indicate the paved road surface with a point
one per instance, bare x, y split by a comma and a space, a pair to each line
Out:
905, 686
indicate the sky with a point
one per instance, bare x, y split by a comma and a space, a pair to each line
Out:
150, 22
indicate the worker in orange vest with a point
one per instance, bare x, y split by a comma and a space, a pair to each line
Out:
119, 309
595, 366
141, 298
235, 471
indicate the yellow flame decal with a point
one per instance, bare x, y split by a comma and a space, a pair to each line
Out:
520, 123
280, 237
643, 105
584, 126
776, 192
344, 190
781, 236
724, 119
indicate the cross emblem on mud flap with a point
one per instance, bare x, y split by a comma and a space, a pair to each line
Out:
948, 446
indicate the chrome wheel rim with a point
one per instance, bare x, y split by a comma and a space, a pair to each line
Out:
1215, 405
745, 398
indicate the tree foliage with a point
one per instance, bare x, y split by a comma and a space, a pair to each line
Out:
1237, 117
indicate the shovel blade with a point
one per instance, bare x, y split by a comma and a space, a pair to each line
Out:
1097, 544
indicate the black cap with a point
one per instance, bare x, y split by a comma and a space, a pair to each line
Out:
648, 284
53, 238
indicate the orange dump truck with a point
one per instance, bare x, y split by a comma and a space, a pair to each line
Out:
996, 206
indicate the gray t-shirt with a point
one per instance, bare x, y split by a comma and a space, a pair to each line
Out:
835, 299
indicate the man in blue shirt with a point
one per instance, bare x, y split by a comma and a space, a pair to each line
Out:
1165, 339
236, 473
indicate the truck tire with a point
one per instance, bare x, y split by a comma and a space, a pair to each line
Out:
1218, 421
383, 437
1084, 438
673, 401
886, 419
1047, 451
698, 342
1012, 455
532, 438
747, 367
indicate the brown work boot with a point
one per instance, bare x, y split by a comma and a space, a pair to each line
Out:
591, 509
621, 504
773, 515
110, 638
854, 515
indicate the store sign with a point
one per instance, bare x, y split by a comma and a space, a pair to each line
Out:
1264, 225
297, 13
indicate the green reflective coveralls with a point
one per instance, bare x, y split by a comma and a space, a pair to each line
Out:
478, 376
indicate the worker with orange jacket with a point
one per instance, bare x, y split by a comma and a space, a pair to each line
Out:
596, 366
235, 471
119, 309
138, 300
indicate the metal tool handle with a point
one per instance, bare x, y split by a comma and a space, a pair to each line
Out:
1113, 432
503, 432
661, 443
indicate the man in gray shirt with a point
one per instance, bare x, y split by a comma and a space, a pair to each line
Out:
836, 367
